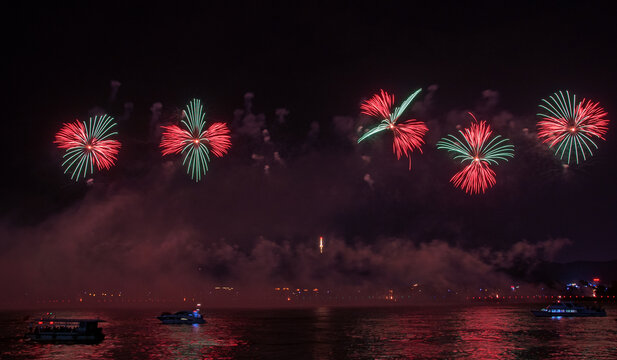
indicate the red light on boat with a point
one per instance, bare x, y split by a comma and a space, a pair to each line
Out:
40, 323
51, 323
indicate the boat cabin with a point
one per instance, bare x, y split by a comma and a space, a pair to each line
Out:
65, 330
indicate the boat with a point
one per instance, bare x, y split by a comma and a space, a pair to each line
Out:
182, 317
568, 309
65, 330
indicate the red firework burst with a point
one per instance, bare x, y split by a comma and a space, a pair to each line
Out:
87, 145
475, 177
218, 135
176, 139
407, 134
570, 127
407, 137
379, 105
481, 150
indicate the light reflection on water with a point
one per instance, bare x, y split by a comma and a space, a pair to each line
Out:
479, 332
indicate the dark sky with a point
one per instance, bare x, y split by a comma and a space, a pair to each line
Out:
318, 60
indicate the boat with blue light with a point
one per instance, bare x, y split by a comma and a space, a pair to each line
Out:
569, 309
54, 330
182, 317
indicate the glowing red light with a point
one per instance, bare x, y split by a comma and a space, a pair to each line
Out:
596, 279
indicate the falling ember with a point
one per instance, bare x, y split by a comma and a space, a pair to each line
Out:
408, 134
480, 150
321, 244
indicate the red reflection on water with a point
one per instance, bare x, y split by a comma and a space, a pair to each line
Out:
482, 332
479, 332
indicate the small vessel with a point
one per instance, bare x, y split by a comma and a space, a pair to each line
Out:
49, 329
568, 309
182, 317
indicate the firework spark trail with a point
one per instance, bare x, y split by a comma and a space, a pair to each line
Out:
378, 105
569, 126
480, 150
218, 135
408, 135
195, 143
88, 144
474, 178
173, 140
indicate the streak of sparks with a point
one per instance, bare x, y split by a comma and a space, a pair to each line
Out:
195, 143
408, 134
570, 127
480, 150
88, 144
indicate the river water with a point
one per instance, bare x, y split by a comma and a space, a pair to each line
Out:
478, 332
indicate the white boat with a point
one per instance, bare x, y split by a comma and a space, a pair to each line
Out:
182, 317
65, 330
568, 309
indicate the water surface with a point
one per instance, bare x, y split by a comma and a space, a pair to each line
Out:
479, 332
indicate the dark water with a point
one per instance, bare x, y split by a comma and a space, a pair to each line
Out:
479, 332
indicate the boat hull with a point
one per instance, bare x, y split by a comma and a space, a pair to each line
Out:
66, 338
539, 313
170, 321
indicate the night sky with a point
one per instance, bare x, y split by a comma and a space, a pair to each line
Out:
319, 61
